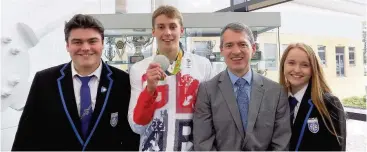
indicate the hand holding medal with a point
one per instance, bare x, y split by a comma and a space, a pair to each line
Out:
155, 72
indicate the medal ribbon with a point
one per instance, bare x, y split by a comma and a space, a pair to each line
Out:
177, 66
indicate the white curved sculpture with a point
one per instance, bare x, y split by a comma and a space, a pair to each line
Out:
16, 65
15, 56
22, 33
14, 75
6, 40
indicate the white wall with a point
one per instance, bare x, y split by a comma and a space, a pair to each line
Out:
138, 6
42, 16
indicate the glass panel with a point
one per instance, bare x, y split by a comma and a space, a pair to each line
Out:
235, 2
321, 52
270, 53
339, 49
342, 65
340, 62
351, 62
206, 41
351, 55
337, 65
124, 47
322, 57
183, 43
137, 43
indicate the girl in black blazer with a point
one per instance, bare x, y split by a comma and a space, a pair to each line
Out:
317, 117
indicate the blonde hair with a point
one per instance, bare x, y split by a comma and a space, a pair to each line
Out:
318, 83
169, 11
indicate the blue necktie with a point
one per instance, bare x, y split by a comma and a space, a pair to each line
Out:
292, 104
85, 105
242, 100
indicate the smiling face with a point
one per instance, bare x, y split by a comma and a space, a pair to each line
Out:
167, 32
237, 51
85, 47
297, 68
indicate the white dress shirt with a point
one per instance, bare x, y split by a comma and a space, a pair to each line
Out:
93, 85
299, 95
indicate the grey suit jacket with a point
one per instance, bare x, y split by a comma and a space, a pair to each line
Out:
217, 121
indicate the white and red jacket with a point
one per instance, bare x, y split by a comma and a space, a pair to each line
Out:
164, 120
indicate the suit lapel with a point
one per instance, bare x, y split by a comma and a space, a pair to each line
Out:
103, 92
257, 93
226, 89
66, 91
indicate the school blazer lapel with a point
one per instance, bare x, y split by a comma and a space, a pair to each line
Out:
300, 125
66, 91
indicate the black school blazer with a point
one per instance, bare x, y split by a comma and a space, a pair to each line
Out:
309, 132
50, 119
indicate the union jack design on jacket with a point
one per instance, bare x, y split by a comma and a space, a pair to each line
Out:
164, 120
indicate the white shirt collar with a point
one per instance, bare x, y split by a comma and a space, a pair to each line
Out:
96, 73
299, 95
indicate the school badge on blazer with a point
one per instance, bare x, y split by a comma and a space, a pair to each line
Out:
313, 125
114, 119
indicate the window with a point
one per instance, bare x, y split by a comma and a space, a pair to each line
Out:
183, 43
284, 46
321, 53
339, 56
270, 53
235, 2
201, 48
352, 56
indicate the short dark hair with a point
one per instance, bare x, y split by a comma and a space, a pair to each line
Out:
83, 21
237, 27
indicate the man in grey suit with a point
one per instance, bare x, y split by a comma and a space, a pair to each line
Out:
238, 109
